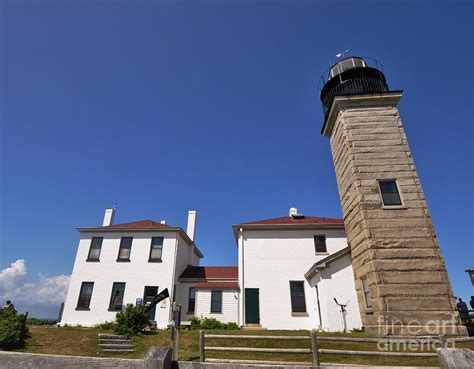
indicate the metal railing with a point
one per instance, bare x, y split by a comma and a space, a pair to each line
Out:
368, 61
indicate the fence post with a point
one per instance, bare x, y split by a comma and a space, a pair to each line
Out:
202, 358
314, 347
176, 345
442, 340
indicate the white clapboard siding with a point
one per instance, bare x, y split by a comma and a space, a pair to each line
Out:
230, 300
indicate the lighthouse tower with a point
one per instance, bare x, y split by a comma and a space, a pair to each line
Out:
401, 280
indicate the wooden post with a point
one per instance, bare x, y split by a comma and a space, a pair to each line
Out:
176, 345
202, 358
442, 340
314, 346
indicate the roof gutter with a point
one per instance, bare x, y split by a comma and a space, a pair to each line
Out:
237, 227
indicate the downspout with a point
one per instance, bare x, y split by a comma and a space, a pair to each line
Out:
172, 292
242, 287
319, 307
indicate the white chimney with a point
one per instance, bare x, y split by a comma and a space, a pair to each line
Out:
163, 222
108, 217
191, 230
293, 212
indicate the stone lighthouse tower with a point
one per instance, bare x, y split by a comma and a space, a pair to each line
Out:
401, 280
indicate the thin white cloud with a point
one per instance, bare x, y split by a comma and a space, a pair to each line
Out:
42, 298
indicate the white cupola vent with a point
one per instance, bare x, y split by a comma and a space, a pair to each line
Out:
293, 212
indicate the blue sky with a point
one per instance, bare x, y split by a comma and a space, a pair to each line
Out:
162, 107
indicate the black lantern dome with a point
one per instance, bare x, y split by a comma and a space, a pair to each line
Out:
351, 76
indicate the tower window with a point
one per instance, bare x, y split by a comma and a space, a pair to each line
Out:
94, 250
389, 192
368, 298
320, 244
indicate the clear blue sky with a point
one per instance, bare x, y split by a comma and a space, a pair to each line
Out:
168, 106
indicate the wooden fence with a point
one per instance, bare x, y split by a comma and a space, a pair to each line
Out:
315, 351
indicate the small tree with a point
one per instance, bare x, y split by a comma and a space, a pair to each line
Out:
12, 329
131, 321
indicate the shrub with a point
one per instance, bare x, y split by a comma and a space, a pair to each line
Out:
211, 323
109, 326
36, 321
12, 329
195, 322
231, 326
131, 321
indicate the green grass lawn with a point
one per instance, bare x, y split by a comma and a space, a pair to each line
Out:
84, 342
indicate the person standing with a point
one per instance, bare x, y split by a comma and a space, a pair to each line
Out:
10, 306
463, 310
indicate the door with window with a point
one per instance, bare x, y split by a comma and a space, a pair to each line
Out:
148, 295
252, 306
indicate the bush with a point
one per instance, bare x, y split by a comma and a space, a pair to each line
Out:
131, 321
12, 329
231, 326
36, 321
108, 326
195, 322
211, 323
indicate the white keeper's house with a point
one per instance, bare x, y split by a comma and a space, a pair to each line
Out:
291, 270
293, 273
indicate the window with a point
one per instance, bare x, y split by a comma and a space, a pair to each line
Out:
389, 192
116, 297
191, 299
94, 250
125, 249
216, 301
320, 244
368, 298
156, 249
298, 304
85, 296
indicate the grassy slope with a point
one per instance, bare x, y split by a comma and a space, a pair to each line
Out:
84, 342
